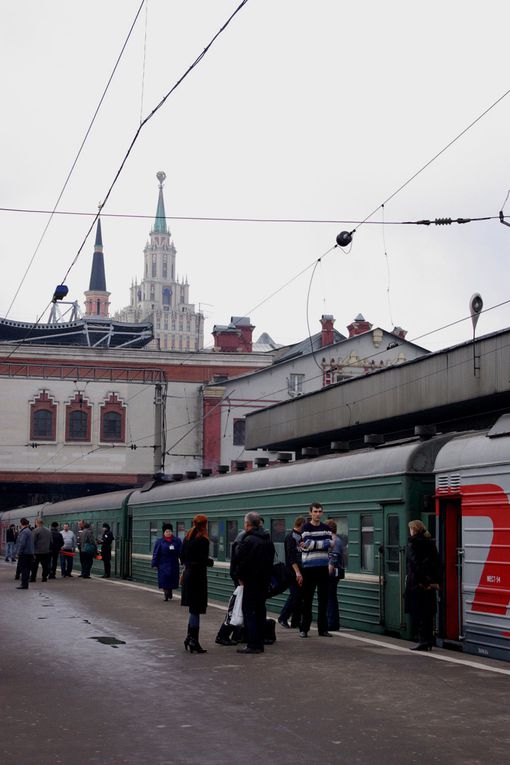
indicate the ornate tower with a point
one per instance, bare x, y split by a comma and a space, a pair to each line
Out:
96, 297
161, 296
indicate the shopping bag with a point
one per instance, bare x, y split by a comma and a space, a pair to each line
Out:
235, 608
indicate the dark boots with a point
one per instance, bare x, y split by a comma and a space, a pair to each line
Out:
191, 643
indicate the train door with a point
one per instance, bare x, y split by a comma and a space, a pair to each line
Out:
451, 616
393, 568
125, 547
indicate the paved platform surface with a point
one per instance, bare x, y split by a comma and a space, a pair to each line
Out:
67, 698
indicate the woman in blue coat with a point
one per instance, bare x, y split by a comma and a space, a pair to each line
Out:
165, 558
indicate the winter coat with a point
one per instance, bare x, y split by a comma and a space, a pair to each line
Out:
107, 541
166, 559
195, 557
293, 551
25, 542
42, 540
10, 535
254, 560
86, 537
423, 570
57, 541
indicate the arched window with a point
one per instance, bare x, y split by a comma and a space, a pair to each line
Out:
43, 418
78, 419
78, 422
239, 434
112, 426
113, 420
166, 296
42, 424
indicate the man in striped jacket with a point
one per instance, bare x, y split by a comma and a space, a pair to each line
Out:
316, 540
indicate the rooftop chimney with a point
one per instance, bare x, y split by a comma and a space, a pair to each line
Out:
236, 337
359, 325
328, 333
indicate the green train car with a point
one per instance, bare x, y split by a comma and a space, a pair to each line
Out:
372, 494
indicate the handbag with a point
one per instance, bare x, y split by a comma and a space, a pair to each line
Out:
234, 617
89, 548
280, 579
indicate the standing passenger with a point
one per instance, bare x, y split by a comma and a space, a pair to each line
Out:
195, 557
106, 542
422, 582
253, 565
25, 553
81, 529
293, 605
317, 539
67, 551
88, 550
10, 538
56, 544
165, 558
336, 572
42, 542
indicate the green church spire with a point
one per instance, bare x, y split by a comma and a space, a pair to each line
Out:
160, 226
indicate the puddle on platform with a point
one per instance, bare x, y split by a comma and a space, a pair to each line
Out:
109, 641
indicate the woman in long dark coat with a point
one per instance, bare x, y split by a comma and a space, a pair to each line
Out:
422, 583
165, 558
195, 557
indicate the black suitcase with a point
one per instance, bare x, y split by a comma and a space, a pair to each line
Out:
270, 632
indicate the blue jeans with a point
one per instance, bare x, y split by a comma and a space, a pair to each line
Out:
293, 605
66, 564
11, 551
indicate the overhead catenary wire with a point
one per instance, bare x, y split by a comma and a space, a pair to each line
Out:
440, 221
433, 159
53, 212
142, 125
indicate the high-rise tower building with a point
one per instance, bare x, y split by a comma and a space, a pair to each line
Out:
160, 296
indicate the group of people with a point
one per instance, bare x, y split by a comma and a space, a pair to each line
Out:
251, 566
47, 546
314, 556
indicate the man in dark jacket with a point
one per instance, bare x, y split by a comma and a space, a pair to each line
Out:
25, 553
106, 542
253, 565
56, 544
42, 541
10, 538
293, 605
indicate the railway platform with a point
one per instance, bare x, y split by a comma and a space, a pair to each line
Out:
94, 672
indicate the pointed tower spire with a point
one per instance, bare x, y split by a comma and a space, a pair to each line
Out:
160, 226
97, 275
96, 297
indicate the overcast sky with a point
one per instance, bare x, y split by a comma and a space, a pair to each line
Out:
301, 110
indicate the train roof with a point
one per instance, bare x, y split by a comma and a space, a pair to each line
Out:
407, 458
490, 447
111, 500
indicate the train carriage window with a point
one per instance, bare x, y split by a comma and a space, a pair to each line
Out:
153, 534
214, 535
342, 524
367, 543
232, 532
278, 532
181, 529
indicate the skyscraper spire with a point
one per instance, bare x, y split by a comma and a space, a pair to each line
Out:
160, 226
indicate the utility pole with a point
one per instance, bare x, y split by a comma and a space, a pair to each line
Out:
159, 429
